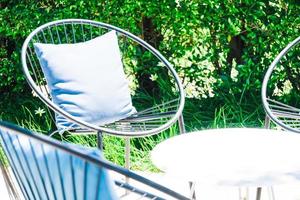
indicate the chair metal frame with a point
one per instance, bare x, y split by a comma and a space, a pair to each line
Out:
280, 113
141, 116
11, 129
133, 126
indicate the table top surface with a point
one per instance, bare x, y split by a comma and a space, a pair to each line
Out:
232, 157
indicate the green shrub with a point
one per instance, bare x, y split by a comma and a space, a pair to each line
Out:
218, 47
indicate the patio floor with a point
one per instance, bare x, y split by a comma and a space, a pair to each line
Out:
284, 192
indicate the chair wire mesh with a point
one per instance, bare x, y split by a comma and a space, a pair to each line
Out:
281, 86
39, 178
137, 55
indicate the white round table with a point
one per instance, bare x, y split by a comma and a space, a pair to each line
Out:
232, 157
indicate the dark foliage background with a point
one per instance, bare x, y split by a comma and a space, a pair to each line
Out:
221, 48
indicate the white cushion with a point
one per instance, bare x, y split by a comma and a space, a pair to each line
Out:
87, 79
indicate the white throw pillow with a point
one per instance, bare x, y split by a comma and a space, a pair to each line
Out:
87, 79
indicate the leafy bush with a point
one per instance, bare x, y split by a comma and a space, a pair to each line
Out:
219, 46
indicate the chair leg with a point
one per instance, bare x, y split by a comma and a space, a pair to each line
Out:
267, 122
244, 193
181, 124
258, 193
9, 183
99, 140
271, 193
127, 153
127, 159
192, 190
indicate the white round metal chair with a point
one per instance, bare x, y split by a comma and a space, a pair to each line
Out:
45, 168
151, 119
280, 89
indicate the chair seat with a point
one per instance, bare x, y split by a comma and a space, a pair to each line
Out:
75, 94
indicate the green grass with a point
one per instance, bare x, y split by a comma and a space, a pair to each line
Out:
227, 112
198, 115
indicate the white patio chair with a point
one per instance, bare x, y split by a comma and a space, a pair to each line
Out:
135, 52
281, 85
45, 168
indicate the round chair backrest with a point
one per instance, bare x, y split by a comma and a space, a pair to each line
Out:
144, 66
280, 88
